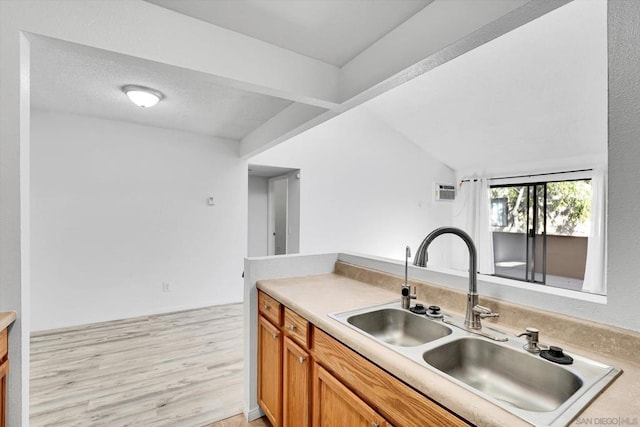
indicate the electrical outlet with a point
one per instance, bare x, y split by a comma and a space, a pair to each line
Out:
166, 287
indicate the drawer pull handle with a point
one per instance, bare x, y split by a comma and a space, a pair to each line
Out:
267, 307
374, 424
275, 336
302, 359
292, 327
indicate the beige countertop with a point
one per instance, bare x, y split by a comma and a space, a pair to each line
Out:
7, 318
314, 297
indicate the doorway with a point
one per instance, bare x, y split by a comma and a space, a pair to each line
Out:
273, 211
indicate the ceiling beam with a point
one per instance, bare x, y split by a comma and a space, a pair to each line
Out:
434, 41
432, 29
150, 32
293, 120
422, 43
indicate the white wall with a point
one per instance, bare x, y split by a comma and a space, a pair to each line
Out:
257, 233
623, 240
118, 209
293, 212
363, 187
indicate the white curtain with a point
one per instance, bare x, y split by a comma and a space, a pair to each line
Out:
595, 274
472, 213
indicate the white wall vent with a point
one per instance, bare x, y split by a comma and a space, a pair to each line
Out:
444, 192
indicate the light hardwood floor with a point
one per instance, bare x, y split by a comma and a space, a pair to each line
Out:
177, 369
241, 421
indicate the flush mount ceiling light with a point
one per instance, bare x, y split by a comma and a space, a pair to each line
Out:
142, 96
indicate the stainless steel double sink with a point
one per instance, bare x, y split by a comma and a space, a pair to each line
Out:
539, 391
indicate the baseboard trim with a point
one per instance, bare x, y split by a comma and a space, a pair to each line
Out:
254, 414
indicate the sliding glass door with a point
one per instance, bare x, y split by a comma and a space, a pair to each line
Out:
537, 234
539, 231
509, 221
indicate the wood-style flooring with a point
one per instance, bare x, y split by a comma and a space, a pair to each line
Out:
241, 421
177, 369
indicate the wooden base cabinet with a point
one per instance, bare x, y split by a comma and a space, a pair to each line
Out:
4, 370
336, 405
396, 401
296, 386
308, 378
270, 370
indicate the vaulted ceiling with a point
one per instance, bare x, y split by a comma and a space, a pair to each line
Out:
254, 71
334, 32
532, 100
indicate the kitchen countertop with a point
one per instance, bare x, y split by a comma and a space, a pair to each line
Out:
314, 297
6, 319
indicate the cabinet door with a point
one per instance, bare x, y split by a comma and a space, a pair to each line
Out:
4, 370
296, 385
336, 406
397, 401
270, 370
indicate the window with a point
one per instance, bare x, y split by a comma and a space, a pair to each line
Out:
540, 231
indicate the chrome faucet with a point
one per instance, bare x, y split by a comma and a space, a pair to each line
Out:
407, 296
475, 312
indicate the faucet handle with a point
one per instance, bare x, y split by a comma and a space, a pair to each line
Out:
406, 291
484, 312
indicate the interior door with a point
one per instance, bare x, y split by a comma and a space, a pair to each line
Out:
278, 214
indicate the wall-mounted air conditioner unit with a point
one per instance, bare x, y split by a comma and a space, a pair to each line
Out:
444, 192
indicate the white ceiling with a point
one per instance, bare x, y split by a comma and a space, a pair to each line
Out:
80, 80
535, 98
234, 83
330, 31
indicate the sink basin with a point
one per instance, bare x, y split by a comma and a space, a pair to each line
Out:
398, 327
541, 392
507, 375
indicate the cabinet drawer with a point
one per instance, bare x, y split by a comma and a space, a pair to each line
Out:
270, 308
3, 344
296, 327
396, 401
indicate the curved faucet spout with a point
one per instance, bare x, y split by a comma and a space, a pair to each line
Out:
472, 318
422, 256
